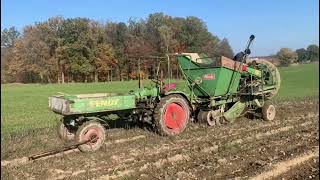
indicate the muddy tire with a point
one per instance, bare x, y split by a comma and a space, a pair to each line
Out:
171, 115
91, 130
64, 133
268, 112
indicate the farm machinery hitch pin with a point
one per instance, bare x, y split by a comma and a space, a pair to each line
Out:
56, 151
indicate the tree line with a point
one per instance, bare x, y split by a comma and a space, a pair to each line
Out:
286, 56
83, 50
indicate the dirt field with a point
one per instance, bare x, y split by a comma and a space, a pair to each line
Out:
285, 148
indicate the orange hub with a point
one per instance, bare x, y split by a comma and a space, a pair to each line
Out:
175, 117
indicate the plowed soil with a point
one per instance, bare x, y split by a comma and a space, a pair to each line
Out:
286, 148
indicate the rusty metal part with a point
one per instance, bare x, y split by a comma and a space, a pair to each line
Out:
56, 151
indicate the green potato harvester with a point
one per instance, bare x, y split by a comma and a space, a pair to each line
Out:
217, 90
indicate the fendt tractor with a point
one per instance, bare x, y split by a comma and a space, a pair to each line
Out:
217, 90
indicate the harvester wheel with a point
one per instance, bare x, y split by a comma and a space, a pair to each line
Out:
171, 115
64, 133
268, 112
93, 131
212, 118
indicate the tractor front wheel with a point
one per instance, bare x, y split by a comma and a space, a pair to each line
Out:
268, 112
94, 133
171, 115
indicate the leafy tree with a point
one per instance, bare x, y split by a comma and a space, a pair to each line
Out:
192, 31
313, 51
117, 35
165, 35
80, 49
153, 24
8, 37
29, 54
224, 49
75, 54
303, 55
16, 62
105, 60
286, 56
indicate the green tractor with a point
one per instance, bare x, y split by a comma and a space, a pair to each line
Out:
216, 90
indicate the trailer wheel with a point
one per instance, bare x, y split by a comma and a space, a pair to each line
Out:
268, 112
64, 133
93, 131
171, 115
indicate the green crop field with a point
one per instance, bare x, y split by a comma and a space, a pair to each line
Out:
24, 107
299, 81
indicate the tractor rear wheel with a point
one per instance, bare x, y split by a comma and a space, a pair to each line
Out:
93, 132
171, 115
65, 133
268, 112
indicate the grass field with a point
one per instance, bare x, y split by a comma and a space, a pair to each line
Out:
24, 107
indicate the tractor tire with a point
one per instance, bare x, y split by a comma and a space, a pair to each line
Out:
65, 133
275, 74
171, 115
268, 112
90, 130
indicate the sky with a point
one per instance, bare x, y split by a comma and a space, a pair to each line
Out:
275, 23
